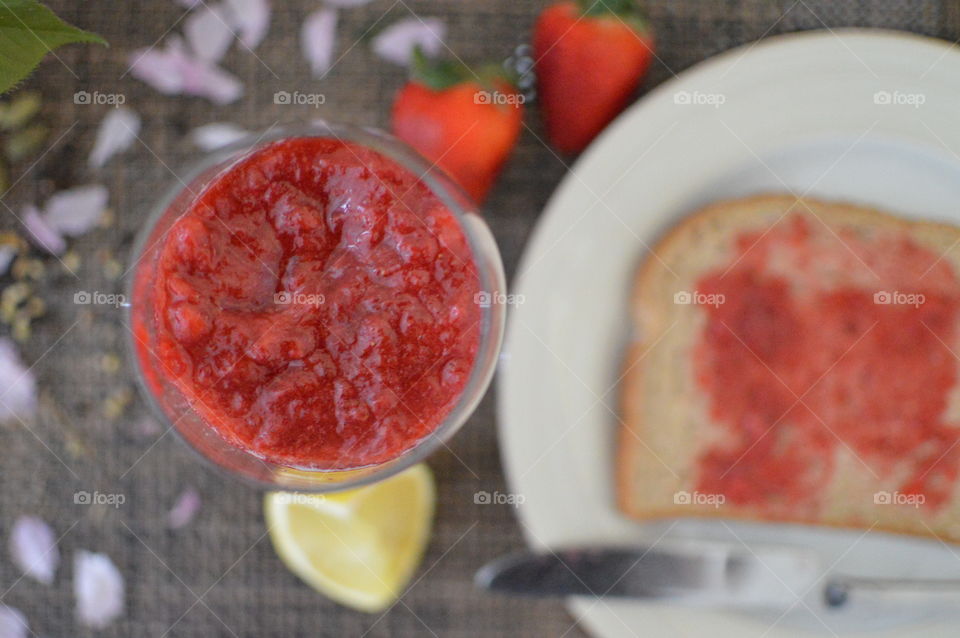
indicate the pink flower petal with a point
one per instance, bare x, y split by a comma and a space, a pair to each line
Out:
77, 210
345, 4
183, 511
41, 233
203, 79
117, 132
18, 397
157, 68
215, 135
98, 589
213, 83
209, 32
148, 426
396, 42
317, 39
173, 70
251, 19
13, 624
33, 548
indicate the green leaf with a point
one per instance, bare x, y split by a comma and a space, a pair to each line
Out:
28, 31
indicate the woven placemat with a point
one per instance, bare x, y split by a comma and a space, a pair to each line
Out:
219, 576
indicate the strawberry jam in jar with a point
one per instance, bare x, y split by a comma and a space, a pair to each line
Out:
312, 310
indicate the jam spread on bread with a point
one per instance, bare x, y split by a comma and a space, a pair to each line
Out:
827, 344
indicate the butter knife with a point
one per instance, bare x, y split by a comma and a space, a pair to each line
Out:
710, 575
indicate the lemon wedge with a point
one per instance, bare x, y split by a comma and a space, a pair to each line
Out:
359, 547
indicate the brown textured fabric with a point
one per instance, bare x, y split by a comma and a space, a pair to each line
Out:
223, 558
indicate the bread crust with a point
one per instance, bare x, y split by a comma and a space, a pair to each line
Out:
648, 325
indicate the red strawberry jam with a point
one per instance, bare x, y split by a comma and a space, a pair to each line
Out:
829, 346
315, 304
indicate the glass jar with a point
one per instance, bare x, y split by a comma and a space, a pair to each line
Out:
174, 408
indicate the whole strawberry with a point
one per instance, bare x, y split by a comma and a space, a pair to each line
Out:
590, 57
466, 122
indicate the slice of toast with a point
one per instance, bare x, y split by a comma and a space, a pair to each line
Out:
796, 360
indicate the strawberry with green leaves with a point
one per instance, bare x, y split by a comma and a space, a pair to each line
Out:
590, 57
465, 122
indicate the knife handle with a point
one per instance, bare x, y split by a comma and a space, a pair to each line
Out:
838, 590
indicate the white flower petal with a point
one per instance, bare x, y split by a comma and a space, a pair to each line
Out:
77, 210
117, 132
211, 82
215, 135
98, 589
187, 506
40, 232
396, 42
157, 68
317, 39
18, 386
215, 84
33, 548
13, 624
251, 19
174, 70
209, 32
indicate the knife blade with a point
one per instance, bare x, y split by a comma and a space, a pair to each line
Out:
698, 574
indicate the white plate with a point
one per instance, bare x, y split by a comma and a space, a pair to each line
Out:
806, 112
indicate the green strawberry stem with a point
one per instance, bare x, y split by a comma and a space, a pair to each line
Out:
443, 74
437, 74
627, 10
